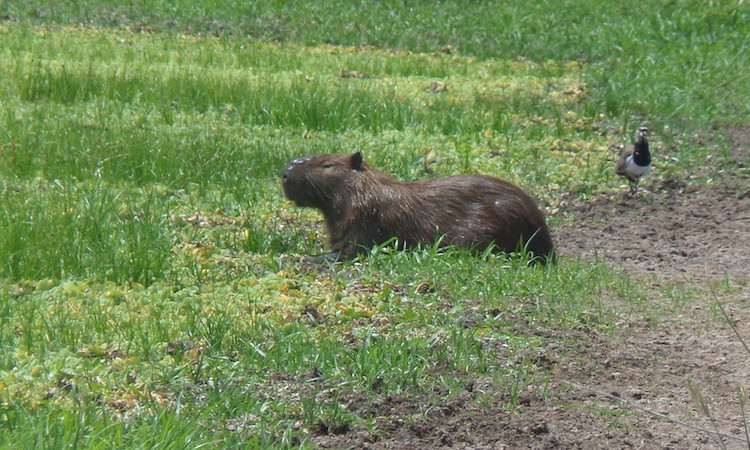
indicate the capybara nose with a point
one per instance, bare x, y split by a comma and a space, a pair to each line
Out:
288, 169
296, 162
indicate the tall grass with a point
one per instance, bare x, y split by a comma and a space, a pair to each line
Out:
655, 55
59, 230
276, 99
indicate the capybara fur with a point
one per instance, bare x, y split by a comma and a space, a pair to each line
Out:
364, 206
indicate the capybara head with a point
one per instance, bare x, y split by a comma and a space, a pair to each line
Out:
318, 181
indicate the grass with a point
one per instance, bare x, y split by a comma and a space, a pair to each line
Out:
149, 294
131, 352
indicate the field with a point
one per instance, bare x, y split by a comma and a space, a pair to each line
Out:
151, 289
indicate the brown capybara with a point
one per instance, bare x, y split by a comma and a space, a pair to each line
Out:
364, 206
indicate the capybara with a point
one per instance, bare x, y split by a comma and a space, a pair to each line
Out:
364, 206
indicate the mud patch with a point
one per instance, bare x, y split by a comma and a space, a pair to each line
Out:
693, 233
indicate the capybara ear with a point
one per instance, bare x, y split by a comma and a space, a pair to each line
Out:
356, 161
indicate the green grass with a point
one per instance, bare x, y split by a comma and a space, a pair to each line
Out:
659, 58
149, 293
223, 351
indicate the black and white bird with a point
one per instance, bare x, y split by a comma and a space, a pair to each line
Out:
636, 161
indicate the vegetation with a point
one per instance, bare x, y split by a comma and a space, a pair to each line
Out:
149, 290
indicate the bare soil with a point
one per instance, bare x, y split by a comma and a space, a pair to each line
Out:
628, 389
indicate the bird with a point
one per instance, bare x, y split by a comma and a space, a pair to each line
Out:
636, 161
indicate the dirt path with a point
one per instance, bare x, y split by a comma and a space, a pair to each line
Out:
628, 390
695, 233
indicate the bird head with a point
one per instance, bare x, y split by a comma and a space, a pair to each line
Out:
641, 134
